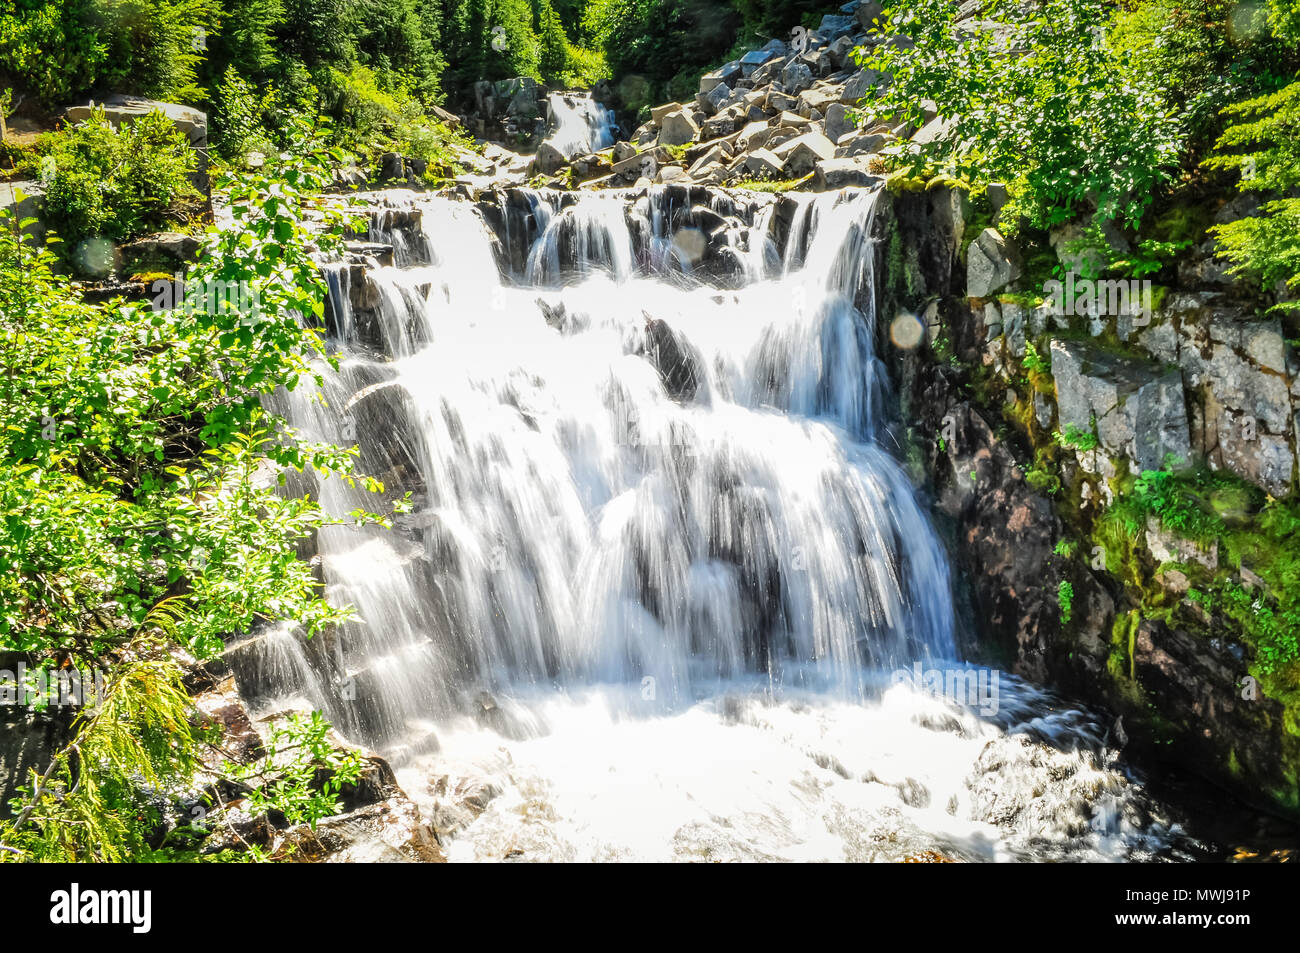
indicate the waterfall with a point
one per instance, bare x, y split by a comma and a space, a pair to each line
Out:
654, 539
578, 124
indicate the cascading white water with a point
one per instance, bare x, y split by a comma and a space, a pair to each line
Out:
579, 125
659, 572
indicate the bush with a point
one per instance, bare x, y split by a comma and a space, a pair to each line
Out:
1265, 247
116, 184
1067, 123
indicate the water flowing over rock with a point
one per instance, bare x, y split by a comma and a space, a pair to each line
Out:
578, 125
642, 430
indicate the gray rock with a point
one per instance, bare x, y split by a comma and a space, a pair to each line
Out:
761, 162
860, 85
780, 102
841, 52
933, 131
715, 98
860, 144
31, 205
658, 113
796, 77
801, 155
840, 173
548, 160
867, 13
833, 26
1140, 411
754, 136
991, 263
119, 109
819, 98
677, 128
837, 123
752, 60
725, 76
998, 197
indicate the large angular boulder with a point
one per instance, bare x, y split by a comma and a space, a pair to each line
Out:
657, 113
752, 60
678, 128
548, 160
801, 155
754, 136
859, 86
991, 263
714, 99
120, 109
796, 76
761, 162
1139, 411
726, 76
837, 123
841, 173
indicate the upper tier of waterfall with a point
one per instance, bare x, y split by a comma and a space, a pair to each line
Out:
622, 472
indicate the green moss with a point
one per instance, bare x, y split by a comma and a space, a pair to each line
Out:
904, 181
1065, 599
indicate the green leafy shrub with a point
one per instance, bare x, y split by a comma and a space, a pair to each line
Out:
1064, 121
135, 513
1263, 143
118, 183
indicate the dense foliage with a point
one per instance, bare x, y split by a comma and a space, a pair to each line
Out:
1079, 106
140, 511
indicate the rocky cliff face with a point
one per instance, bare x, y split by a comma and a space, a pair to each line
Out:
1030, 426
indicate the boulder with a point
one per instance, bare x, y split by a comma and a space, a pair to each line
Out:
24, 200
392, 831
818, 98
833, 26
991, 263
933, 130
678, 128
837, 123
715, 98
752, 60
726, 76
840, 173
841, 52
1139, 410
858, 86
161, 252
120, 109
658, 113
867, 14
859, 144
761, 162
718, 127
796, 76
780, 102
710, 157
548, 160
799, 156
754, 136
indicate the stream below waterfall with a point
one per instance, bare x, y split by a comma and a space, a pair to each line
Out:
662, 594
